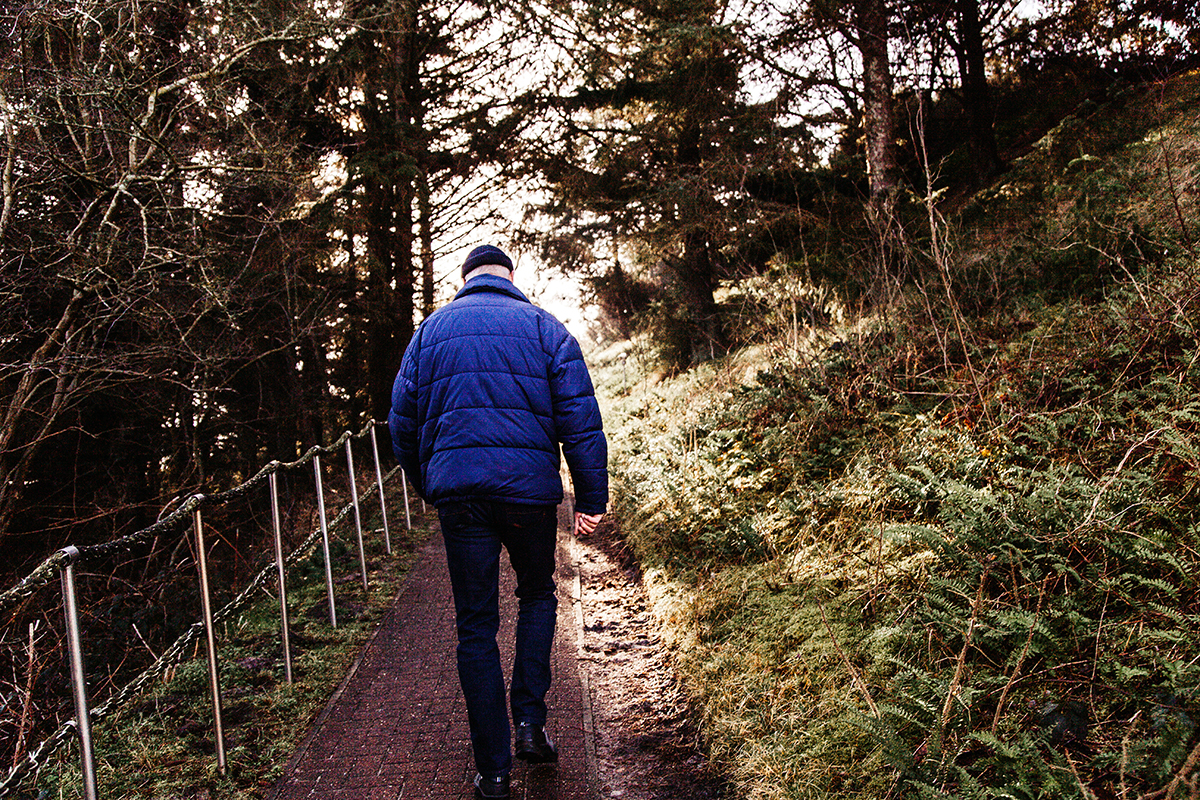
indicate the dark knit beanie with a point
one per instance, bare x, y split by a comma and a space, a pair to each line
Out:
486, 254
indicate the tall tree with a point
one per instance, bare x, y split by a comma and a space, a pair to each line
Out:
976, 91
867, 25
970, 31
869, 29
420, 89
146, 222
656, 144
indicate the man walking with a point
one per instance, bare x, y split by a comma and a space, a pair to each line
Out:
489, 390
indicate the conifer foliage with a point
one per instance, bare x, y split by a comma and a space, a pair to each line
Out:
220, 224
218, 231
652, 157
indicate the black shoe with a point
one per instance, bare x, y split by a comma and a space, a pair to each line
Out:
533, 745
491, 788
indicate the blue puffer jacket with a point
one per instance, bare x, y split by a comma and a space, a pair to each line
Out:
489, 387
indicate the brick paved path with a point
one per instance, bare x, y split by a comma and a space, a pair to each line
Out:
397, 728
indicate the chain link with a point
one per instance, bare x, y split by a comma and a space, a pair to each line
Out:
47, 571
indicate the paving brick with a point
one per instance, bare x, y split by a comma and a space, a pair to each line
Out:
398, 729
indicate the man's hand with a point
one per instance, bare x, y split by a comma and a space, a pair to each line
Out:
586, 523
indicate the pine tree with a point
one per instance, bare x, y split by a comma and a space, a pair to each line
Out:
149, 250
419, 89
656, 144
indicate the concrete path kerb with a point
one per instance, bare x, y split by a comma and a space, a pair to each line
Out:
397, 726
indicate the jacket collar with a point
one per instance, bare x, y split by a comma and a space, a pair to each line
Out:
491, 283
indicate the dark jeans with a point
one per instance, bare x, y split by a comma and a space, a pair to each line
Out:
474, 532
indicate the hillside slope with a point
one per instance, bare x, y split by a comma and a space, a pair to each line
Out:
953, 549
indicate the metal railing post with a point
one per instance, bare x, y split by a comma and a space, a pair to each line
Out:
407, 515
387, 537
325, 540
362, 555
281, 574
214, 679
83, 716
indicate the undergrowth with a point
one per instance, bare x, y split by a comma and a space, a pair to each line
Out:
924, 563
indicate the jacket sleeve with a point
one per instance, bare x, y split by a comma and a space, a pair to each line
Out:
578, 426
402, 419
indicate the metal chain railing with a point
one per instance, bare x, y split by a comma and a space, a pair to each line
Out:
61, 563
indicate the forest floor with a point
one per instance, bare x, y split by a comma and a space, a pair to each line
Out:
646, 746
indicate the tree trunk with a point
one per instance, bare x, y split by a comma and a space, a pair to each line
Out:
387, 296
977, 96
425, 224
871, 20
696, 277
389, 302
